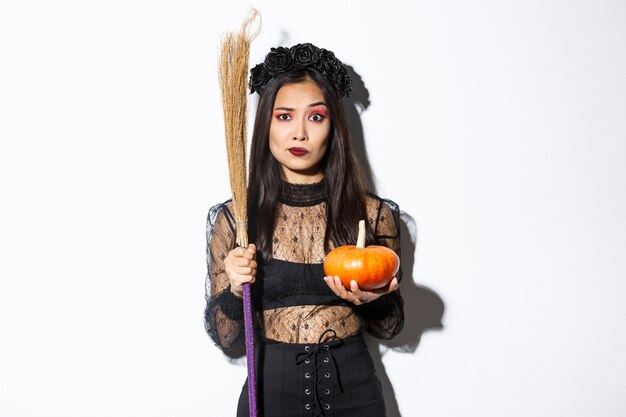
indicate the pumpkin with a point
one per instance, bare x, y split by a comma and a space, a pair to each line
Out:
372, 267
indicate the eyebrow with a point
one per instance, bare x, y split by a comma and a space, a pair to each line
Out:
318, 103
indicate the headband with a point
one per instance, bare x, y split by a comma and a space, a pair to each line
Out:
302, 56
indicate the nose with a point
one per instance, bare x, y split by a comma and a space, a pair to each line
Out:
299, 132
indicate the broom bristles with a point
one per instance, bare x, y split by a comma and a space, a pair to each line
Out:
233, 74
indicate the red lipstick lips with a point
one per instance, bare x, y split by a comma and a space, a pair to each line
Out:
298, 151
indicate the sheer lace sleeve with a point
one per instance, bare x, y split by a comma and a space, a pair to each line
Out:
384, 317
223, 316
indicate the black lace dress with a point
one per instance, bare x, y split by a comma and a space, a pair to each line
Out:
311, 353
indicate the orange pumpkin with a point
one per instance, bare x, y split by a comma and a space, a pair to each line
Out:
372, 267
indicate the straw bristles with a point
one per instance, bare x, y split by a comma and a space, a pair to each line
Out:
233, 74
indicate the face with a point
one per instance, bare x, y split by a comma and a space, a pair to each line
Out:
299, 131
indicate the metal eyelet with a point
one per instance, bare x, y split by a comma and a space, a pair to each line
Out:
326, 347
307, 406
307, 348
327, 391
307, 391
308, 375
307, 361
327, 406
327, 375
326, 360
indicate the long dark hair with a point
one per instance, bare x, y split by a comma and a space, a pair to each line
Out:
345, 184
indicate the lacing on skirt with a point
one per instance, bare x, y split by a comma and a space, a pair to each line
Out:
332, 378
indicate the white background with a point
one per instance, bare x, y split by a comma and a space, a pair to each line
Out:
498, 126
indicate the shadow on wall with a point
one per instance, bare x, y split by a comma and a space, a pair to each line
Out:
423, 308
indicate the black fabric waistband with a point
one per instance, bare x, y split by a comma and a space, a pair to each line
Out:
299, 346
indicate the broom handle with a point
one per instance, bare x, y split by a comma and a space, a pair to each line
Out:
248, 324
249, 332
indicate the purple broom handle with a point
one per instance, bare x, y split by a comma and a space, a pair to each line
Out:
249, 331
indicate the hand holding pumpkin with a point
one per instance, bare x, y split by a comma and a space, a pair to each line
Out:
365, 272
356, 295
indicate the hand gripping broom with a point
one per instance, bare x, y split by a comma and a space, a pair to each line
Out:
233, 75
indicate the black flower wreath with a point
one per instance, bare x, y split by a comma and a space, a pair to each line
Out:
305, 55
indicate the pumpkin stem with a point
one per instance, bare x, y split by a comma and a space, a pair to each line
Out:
360, 242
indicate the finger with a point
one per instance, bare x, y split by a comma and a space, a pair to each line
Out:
241, 261
339, 285
244, 266
335, 284
251, 248
248, 252
236, 284
344, 293
241, 252
244, 270
331, 284
330, 281
240, 279
361, 295
356, 291
390, 287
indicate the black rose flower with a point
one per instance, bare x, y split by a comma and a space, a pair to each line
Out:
279, 60
305, 54
343, 82
326, 63
258, 78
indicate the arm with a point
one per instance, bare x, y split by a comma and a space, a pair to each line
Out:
381, 310
223, 316
384, 316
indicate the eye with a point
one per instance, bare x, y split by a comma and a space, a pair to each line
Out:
316, 117
284, 116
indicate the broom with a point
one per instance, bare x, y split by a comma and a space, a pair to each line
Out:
233, 74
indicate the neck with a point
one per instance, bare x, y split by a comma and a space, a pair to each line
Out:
304, 194
302, 178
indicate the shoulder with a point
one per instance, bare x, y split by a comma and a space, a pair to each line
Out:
221, 213
379, 204
383, 214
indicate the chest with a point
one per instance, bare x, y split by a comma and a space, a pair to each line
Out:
284, 284
299, 234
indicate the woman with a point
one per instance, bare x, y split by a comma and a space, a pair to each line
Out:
306, 196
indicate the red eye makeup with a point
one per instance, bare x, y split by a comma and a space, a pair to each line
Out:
282, 115
321, 110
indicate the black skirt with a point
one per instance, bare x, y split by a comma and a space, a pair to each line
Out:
335, 378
